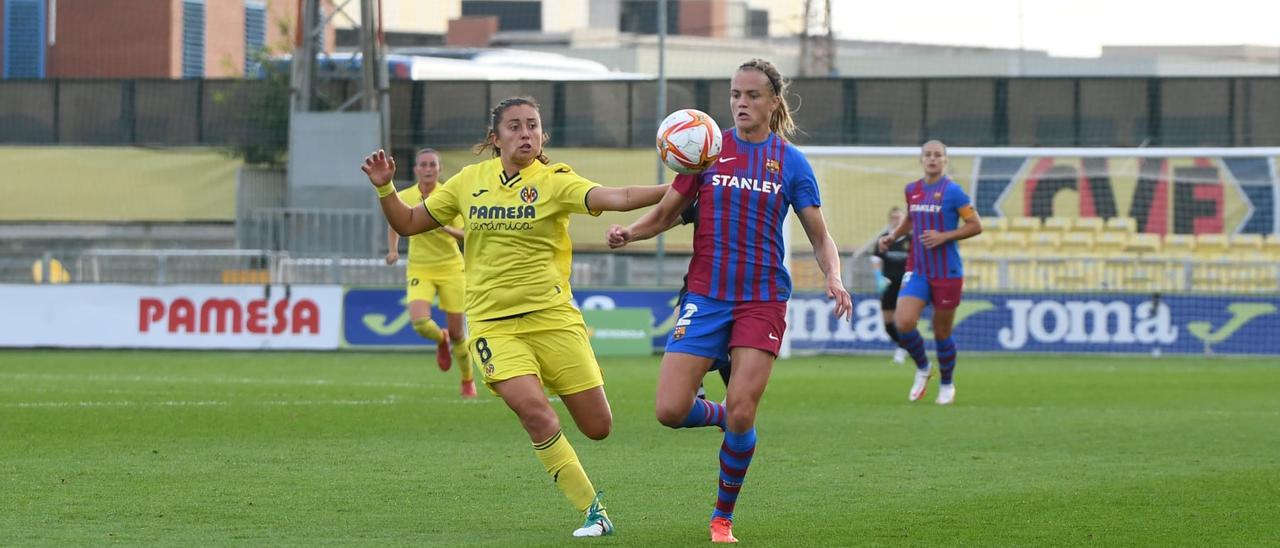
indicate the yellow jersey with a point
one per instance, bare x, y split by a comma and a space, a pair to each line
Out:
518, 252
435, 250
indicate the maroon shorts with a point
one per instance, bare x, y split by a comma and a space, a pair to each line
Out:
943, 293
759, 325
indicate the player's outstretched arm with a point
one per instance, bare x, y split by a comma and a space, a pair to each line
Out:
828, 257
653, 222
624, 198
404, 220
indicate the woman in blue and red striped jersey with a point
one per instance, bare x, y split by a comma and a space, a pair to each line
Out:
935, 206
738, 284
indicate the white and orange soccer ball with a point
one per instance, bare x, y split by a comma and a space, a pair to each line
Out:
689, 141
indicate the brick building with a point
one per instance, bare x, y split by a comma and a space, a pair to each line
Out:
141, 38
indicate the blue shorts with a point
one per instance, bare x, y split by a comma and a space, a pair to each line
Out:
943, 293
709, 327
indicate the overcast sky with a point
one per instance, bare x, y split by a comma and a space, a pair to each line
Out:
1075, 28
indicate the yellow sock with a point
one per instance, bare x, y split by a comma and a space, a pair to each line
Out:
462, 359
562, 465
428, 329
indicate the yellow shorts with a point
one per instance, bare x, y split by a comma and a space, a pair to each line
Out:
550, 343
424, 284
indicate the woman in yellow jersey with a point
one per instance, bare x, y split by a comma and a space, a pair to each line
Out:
435, 267
525, 331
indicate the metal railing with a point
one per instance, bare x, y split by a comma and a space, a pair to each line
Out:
592, 269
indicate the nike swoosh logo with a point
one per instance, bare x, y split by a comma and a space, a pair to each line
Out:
729, 159
479, 192
773, 337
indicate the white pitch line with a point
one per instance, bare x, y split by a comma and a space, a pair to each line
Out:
225, 403
213, 380
197, 403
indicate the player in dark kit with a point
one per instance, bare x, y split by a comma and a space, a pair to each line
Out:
890, 265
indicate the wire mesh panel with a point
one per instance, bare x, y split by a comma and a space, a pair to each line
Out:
1195, 112
454, 114
89, 112
1042, 112
1114, 112
594, 118
27, 112
889, 112
165, 112
961, 112
817, 104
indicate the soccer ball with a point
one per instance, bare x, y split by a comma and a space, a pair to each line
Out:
689, 141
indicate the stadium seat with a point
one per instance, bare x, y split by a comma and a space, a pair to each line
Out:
1087, 224
1179, 246
1143, 243
1058, 224
1024, 224
1077, 273
982, 273
1143, 274
1271, 246
1005, 244
1044, 243
1246, 246
995, 224
57, 274
1077, 243
1177, 250
1210, 247
1110, 243
1121, 224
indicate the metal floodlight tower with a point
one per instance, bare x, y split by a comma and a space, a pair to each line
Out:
817, 41
374, 94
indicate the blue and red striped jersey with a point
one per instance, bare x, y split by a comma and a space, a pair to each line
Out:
742, 203
936, 206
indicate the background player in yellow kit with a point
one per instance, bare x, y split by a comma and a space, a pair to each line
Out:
525, 332
435, 268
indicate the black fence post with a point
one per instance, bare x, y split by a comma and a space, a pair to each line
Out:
1154, 129
199, 111
1000, 110
57, 111
559, 119
1076, 117
129, 111
417, 105
924, 115
849, 88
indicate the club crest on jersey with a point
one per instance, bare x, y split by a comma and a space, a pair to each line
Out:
772, 166
528, 195
937, 195
678, 333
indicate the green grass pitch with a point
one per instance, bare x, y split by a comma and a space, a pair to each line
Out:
217, 448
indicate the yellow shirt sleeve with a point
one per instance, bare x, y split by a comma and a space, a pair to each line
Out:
572, 189
442, 204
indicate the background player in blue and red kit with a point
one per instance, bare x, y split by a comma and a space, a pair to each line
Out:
935, 205
738, 283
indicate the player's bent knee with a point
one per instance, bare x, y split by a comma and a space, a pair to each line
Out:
740, 417
598, 430
670, 416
